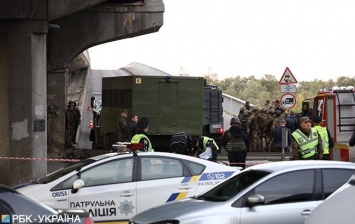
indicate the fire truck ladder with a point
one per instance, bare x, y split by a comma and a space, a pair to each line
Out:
342, 124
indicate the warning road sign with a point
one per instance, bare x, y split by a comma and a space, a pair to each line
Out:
287, 77
288, 100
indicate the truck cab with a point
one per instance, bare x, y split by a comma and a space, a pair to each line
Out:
336, 107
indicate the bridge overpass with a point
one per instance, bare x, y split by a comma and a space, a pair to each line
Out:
41, 45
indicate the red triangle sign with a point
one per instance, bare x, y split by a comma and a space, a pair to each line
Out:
287, 77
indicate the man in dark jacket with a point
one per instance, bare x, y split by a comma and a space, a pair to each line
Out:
132, 126
277, 135
77, 120
235, 141
121, 127
291, 122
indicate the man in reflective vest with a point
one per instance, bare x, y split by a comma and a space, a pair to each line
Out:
327, 140
208, 148
307, 142
141, 136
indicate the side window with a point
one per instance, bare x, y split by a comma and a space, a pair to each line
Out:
194, 168
67, 184
158, 168
112, 172
334, 178
296, 186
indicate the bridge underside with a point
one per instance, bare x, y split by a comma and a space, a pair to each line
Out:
41, 42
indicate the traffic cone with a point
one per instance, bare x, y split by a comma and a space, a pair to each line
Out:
91, 125
89, 107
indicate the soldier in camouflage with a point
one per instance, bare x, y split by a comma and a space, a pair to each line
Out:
255, 131
270, 114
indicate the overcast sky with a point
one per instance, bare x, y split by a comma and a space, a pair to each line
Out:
314, 38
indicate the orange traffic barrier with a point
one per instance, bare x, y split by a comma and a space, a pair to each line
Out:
91, 125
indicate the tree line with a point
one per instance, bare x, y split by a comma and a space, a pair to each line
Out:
257, 91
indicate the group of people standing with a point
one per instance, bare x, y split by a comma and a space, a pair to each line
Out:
302, 138
308, 141
134, 131
305, 138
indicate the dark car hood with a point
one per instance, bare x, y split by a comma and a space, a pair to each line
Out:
177, 210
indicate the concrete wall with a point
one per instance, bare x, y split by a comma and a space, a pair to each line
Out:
30, 48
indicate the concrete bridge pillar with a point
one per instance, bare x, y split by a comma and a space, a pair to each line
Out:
23, 100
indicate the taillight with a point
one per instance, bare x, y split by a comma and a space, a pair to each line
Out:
89, 220
220, 130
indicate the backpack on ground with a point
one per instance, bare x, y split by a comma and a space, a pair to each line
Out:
180, 143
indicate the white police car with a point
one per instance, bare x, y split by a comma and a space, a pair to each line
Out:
116, 186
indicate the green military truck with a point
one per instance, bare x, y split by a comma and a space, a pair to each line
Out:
171, 103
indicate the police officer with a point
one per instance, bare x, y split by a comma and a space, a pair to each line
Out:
205, 143
327, 140
141, 136
235, 141
307, 143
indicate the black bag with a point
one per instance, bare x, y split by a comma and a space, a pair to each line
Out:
180, 143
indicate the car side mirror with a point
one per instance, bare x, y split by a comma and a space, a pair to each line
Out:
79, 183
256, 199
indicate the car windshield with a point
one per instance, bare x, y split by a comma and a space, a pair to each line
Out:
64, 171
231, 187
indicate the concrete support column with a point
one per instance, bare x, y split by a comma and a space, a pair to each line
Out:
23, 101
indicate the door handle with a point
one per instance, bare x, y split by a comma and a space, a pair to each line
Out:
306, 212
126, 194
184, 187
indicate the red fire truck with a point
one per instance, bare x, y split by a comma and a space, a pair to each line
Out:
337, 110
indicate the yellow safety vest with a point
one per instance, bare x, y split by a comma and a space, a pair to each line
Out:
325, 140
307, 145
205, 140
137, 137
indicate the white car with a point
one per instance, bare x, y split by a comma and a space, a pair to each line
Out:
116, 186
337, 208
282, 192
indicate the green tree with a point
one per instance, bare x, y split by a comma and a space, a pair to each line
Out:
345, 81
257, 91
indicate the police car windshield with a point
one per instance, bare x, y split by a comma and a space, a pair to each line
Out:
230, 188
64, 171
